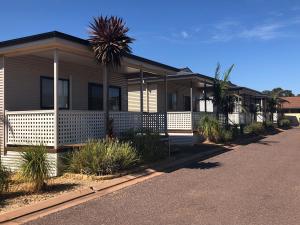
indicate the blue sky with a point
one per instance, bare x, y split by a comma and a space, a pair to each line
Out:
260, 36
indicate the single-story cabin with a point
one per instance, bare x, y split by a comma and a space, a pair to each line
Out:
51, 93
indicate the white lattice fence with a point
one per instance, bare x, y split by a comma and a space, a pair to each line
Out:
179, 120
30, 127
197, 116
80, 126
235, 118
154, 122
123, 121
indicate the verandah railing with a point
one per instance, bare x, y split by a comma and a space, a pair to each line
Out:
76, 126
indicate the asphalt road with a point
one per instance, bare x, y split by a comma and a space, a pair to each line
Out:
257, 184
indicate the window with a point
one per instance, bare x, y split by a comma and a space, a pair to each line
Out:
114, 98
47, 93
95, 101
187, 103
95, 97
172, 101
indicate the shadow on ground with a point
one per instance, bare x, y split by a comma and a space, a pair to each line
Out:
50, 189
185, 151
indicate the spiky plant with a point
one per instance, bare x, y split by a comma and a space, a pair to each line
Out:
35, 167
209, 128
110, 43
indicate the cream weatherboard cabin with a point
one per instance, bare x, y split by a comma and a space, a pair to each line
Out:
51, 94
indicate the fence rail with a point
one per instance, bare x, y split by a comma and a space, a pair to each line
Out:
76, 126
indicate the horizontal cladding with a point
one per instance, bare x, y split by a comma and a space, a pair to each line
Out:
149, 93
23, 74
13, 160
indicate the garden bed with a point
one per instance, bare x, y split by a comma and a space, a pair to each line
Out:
19, 196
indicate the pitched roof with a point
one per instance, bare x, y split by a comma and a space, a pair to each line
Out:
290, 102
57, 34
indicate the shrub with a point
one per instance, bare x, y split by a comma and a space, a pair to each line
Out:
149, 145
103, 157
255, 128
284, 123
269, 125
225, 135
35, 167
209, 128
4, 179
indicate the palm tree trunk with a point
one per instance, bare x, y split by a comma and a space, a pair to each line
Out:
105, 100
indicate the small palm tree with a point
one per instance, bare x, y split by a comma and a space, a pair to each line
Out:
223, 99
274, 102
110, 43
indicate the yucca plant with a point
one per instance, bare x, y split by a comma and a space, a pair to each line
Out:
35, 167
4, 179
110, 43
209, 128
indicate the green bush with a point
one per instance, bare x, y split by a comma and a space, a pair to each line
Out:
284, 123
149, 145
35, 167
269, 125
4, 179
225, 135
209, 128
103, 157
255, 128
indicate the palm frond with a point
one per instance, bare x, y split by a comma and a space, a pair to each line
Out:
227, 73
217, 72
109, 40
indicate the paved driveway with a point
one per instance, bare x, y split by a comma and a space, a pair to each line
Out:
255, 184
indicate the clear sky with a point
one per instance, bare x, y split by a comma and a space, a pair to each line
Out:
262, 37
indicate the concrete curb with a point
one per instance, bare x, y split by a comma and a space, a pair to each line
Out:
15, 217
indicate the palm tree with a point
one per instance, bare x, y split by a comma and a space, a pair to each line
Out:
223, 99
274, 102
110, 43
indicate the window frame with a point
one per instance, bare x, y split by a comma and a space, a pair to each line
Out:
90, 84
101, 86
41, 92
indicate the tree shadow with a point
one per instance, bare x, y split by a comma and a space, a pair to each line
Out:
264, 142
204, 165
49, 189
197, 163
247, 139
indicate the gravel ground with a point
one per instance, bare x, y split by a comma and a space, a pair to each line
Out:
255, 184
19, 196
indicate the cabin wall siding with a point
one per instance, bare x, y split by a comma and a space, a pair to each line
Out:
149, 93
12, 160
23, 82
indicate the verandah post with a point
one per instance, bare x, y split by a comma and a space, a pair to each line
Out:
142, 97
191, 103
205, 97
166, 104
56, 103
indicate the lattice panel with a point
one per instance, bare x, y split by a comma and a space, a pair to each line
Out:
154, 122
80, 126
30, 128
179, 120
197, 116
235, 118
123, 121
